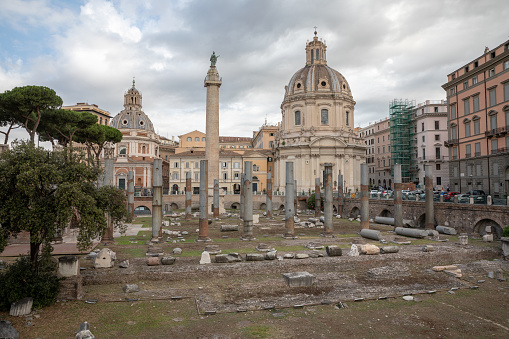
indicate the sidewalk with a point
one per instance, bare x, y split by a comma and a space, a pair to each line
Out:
69, 244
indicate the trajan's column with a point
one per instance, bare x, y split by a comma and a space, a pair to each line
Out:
212, 82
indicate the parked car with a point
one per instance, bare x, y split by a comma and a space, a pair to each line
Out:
450, 195
476, 192
463, 198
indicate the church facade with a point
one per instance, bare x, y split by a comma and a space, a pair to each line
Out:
318, 126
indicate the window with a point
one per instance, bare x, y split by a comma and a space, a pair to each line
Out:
465, 85
256, 168
437, 167
197, 176
466, 104
493, 121
506, 64
455, 154
196, 139
236, 165
187, 164
467, 129
423, 139
475, 100
468, 151
466, 69
492, 55
474, 80
271, 134
203, 139
477, 126
476, 64
196, 164
236, 175
492, 72
506, 91
437, 153
452, 91
297, 118
175, 176
324, 117
424, 153
224, 165
123, 150
437, 123
437, 137
493, 97
494, 146
348, 118
189, 139
383, 149
422, 126
225, 176
176, 165
477, 148
453, 112
507, 118
454, 133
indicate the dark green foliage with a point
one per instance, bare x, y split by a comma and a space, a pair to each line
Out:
43, 192
311, 202
28, 104
18, 281
95, 137
505, 233
61, 125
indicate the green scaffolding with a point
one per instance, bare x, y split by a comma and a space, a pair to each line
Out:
402, 137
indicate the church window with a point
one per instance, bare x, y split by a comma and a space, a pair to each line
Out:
189, 139
123, 150
348, 118
323, 83
299, 85
297, 118
317, 54
344, 86
125, 122
197, 139
324, 117
203, 139
142, 123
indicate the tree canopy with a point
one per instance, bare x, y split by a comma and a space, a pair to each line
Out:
61, 125
43, 191
28, 104
95, 138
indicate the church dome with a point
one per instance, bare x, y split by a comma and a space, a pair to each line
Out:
132, 116
316, 77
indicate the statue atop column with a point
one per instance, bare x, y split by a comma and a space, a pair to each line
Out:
213, 59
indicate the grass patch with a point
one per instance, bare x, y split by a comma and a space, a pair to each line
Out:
257, 331
133, 252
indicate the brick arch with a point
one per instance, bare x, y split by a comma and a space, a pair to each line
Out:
355, 212
385, 213
174, 206
481, 223
147, 208
421, 221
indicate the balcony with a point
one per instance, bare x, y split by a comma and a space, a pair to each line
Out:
451, 142
500, 150
500, 131
468, 155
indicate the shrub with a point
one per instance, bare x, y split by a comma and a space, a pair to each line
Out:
506, 232
18, 281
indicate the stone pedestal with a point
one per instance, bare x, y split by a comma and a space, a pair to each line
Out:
299, 279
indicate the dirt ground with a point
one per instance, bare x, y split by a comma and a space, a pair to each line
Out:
351, 296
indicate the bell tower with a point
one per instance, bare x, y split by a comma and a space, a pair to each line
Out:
316, 52
132, 99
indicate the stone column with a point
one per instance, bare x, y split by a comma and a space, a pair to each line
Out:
203, 233
295, 195
428, 184
398, 197
189, 196
317, 198
242, 196
327, 207
157, 199
212, 82
109, 180
248, 202
340, 194
289, 201
364, 197
268, 201
216, 199
130, 193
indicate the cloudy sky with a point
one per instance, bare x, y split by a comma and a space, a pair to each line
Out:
90, 50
